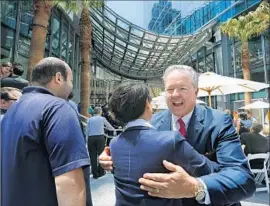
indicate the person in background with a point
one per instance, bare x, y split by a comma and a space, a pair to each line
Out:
253, 142
251, 118
8, 96
265, 131
243, 124
90, 110
72, 103
96, 140
44, 162
15, 80
210, 132
79, 107
5, 70
141, 148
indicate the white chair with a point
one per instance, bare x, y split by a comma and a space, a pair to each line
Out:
260, 174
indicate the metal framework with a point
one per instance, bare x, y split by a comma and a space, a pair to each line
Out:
133, 52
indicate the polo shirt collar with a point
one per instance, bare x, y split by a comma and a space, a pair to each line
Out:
36, 89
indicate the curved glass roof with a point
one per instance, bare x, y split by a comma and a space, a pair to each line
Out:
133, 52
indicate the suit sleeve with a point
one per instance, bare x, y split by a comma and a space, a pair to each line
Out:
234, 182
242, 139
194, 163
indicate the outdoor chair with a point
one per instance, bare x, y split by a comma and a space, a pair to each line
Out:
260, 174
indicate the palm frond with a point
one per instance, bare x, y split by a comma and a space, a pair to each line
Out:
250, 25
92, 3
69, 5
231, 28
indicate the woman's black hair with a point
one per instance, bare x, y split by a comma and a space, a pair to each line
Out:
128, 101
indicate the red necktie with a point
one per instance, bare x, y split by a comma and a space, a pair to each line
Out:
182, 129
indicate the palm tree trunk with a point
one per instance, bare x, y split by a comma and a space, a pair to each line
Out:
246, 69
85, 32
42, 13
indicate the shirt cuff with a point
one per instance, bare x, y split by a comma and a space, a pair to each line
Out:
207, 200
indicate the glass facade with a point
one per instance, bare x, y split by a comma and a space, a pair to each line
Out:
171, 24
162, 16
132, 46
62, 39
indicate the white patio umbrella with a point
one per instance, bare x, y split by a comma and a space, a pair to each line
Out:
257, 105
211, 84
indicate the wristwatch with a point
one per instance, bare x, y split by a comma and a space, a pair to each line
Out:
200, 192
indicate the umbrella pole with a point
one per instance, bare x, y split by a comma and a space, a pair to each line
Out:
209, 99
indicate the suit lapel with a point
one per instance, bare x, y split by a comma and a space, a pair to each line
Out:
165, 123
195, 126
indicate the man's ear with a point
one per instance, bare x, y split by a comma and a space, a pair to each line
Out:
58, 77
148, 105
197, 91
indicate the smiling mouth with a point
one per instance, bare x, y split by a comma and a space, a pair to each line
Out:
178, 104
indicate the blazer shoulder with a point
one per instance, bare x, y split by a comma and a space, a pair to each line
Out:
159, 116
217, 114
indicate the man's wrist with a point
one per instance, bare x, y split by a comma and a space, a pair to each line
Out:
200, 191
194, 186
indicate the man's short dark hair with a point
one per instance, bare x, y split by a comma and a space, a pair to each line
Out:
47, 68
128, 102
257, 128
243, 115
17, 68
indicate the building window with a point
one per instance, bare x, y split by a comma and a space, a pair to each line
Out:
8, 25
71, 50
64, 41
56, 35
26, 18
8, 13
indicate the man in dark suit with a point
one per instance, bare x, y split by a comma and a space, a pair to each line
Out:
210, 132
141, 148
253, 143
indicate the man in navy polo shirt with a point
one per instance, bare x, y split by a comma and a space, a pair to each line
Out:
43, 148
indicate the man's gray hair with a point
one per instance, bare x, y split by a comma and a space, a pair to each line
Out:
182, 68
97, 110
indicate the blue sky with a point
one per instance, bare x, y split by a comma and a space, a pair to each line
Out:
139, 12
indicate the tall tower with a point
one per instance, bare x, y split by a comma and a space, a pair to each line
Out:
162, 16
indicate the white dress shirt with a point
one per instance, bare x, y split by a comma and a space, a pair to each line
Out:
186, 119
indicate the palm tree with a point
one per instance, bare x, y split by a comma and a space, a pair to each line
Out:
244, 28
86, 45
42, 13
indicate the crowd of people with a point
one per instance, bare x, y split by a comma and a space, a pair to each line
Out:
186, 155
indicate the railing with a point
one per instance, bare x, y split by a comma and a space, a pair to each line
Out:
107, 136
83, 121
